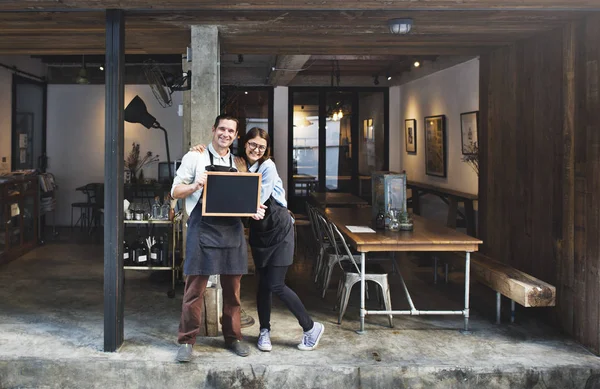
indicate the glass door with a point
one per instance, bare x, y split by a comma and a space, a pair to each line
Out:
305, 148
339, 158
28, 124
339, 136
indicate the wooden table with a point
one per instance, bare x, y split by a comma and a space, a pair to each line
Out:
450, 197
427, 236
337, 199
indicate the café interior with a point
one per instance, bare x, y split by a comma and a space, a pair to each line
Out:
439, 162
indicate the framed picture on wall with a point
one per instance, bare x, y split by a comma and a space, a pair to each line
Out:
410, 135
435, 145
469, 128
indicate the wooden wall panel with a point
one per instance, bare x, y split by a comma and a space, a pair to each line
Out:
540, 158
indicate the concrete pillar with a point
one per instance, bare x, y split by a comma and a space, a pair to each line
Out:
203, 106
205, 97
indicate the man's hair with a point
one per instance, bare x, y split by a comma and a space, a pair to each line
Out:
251, 134
225, 116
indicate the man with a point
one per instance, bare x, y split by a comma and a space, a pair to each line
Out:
214, 245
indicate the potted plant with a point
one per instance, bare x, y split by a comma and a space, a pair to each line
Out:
135, 163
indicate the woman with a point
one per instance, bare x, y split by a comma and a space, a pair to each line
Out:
272, 242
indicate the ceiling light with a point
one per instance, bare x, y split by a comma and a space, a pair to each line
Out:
82, 76
400, 26
417, 64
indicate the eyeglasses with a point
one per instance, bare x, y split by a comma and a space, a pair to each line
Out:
253, 146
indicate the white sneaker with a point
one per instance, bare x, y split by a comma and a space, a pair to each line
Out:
311, 338
264, 340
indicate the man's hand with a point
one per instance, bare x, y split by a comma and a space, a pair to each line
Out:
240, 164
260, 213
199, 184
199, 148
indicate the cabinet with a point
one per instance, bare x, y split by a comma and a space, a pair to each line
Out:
174, 230
19, 210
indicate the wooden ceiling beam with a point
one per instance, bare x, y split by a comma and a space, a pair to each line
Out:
38, 5
286, 68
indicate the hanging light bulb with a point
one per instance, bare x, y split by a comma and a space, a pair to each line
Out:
340, 114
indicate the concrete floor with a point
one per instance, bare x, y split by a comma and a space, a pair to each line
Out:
51, 335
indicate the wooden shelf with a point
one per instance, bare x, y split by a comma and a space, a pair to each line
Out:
147, 221
147, 268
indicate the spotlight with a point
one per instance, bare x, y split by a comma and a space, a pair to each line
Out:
389, 77
376, 79
101, 67
417, 64
240, 58
246, 92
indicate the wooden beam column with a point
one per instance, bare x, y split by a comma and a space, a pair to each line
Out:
113, 184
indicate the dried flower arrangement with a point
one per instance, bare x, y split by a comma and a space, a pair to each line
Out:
135, 163
472, 156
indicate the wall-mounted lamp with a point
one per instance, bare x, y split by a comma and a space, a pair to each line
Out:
136, 112
400, 26
389, 77
376, 79
417, 64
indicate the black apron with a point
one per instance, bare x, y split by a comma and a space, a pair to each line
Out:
272, 238
215, 245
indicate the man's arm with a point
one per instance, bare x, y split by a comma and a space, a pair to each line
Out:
185, 182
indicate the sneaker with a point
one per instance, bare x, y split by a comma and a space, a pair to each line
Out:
185, 353
239, 348
264, 340
311, 338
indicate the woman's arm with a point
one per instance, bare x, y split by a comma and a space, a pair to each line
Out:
270, 177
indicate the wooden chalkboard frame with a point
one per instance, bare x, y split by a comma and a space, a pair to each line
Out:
233, 175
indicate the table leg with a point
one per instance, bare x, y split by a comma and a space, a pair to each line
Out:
467, 285
362, 294
452, 211
470, 218
416, 204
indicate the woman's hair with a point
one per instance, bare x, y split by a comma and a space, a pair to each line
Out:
251, 134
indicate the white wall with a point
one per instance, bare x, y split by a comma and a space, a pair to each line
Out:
75, 137
280, 132
26, 64
449, 92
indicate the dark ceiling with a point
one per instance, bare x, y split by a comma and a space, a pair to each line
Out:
321, 39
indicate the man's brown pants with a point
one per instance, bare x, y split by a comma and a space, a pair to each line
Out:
193, 301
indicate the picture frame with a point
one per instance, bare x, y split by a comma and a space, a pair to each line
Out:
435, 146
469, 132
231, 194
410, 135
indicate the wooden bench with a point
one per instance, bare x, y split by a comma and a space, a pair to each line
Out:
450, 197
507, 281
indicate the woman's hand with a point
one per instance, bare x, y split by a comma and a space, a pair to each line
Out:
199, 148
260, 213
240, 164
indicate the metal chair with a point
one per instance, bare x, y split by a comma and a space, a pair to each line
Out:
85, 208
320, 237
374, 273
331, 255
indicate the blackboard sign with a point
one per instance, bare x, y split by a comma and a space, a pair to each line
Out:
231, 194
